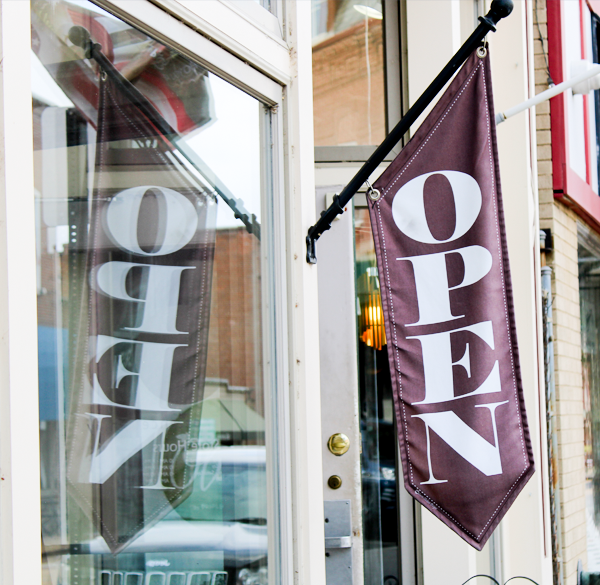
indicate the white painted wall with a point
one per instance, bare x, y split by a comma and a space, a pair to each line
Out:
526, 547
20, 525
305, 388
433, 35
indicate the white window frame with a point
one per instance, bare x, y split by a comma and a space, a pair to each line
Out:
257, 38
284, 85
267, 19
152, 19
20, 516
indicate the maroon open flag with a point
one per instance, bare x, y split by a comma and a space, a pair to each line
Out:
447, 299
139, 367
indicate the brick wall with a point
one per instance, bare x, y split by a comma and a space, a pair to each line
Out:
235, 335
567, 335
340, 87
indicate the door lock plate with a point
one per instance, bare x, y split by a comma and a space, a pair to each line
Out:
338, 542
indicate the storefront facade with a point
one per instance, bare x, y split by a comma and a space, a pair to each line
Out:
568, 188
172, 368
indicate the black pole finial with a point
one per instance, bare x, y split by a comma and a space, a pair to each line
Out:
498, 10
80, 37
502, 8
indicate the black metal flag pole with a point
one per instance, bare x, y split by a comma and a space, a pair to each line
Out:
498, 10
80, 37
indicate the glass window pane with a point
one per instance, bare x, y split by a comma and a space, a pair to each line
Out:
589, 299
348, 72
150, 309
377, 421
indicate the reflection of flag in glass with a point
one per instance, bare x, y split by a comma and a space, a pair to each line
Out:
139, 371
446, 295
178, 88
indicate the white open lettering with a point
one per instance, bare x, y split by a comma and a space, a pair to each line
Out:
408, 207
177, 220
433, 300
431, 280
464, 440
176, 223
438, 364
161, 299
122, 446
153, 378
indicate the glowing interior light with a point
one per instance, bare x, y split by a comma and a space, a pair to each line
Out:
368, 11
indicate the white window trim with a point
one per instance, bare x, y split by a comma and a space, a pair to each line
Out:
228, 27
258, 15
277, 408
152, 19
20, 516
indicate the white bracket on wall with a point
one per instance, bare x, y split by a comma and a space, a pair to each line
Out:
588, 76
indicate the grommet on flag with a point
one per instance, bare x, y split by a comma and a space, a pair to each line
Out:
482, 51
374, 194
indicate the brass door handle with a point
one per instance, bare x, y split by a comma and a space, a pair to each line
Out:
338, 444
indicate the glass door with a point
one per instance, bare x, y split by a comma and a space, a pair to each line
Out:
588, 257
380, 467
356, 99
357, 402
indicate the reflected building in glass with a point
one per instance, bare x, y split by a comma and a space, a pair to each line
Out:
348, 72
